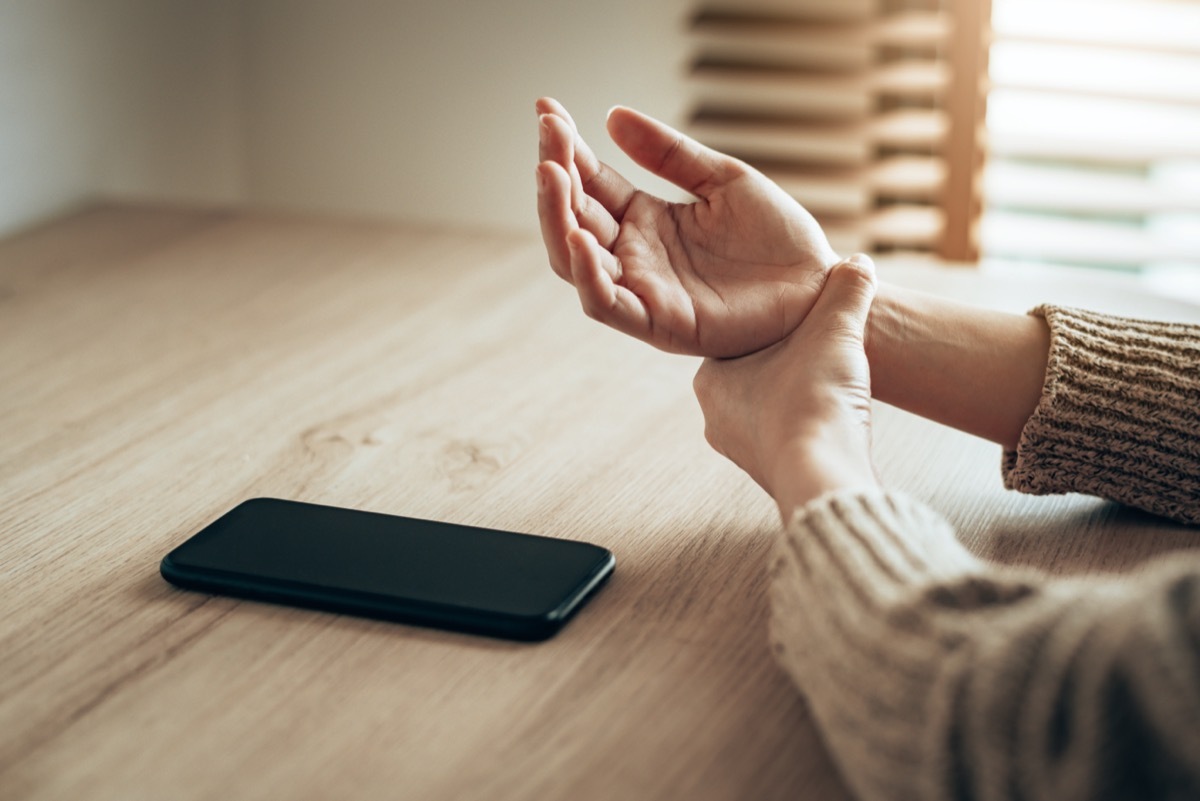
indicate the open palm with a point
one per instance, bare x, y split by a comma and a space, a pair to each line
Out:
731, 273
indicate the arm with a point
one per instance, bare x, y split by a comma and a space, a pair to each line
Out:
976, 370
1081, 402
934, 675
738, 270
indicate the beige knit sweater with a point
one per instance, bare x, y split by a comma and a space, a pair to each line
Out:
934, 675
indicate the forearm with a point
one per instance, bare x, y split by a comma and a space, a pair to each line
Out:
936, 676
1081, 401
974, 369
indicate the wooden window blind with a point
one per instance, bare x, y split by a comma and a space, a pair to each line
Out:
1094, 134
869, 112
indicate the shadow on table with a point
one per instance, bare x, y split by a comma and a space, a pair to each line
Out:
1091, 536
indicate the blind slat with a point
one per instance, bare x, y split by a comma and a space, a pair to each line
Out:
905, 227
1153, 25
1082, 191
1099, 72
854, 190
850, 143
791, 93
793, 9
825, 46
845, 105
1032, 125
1016, 235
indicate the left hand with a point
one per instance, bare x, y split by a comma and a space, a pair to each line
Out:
797, 416
726, 275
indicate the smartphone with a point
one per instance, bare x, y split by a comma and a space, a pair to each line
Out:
498, 583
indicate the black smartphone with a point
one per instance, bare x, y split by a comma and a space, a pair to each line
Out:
499, 583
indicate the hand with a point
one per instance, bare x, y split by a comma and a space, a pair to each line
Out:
797, 416
724, 276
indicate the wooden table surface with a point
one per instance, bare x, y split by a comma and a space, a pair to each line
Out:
157, 366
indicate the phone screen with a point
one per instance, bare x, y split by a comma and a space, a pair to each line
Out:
417, 571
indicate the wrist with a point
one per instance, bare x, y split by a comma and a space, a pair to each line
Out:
819, 463
884, 338
968, 367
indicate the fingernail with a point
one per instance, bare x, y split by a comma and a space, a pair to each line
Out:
862, 262
543, 128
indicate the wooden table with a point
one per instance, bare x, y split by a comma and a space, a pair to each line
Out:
157, 366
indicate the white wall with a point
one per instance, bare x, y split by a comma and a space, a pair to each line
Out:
413, 109
135, 98
424, 110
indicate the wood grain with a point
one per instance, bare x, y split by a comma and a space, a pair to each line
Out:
157, 366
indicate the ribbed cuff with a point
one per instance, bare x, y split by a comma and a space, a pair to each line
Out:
1119, 416
877, 541
868, 598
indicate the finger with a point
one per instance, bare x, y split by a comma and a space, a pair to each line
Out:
593, 217
599, 180
552, 146
845, 301
603, 299
558, 144
605, 260
555, 216
548, 105
670, 154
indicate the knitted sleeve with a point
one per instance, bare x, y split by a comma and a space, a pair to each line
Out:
935, 676
1119, 415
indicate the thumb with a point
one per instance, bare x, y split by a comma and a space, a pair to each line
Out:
670, 154
845, 301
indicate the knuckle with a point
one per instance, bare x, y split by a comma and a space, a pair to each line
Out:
672, 152
734, 168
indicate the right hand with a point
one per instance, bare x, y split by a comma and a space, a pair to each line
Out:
727, 275
797, 416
